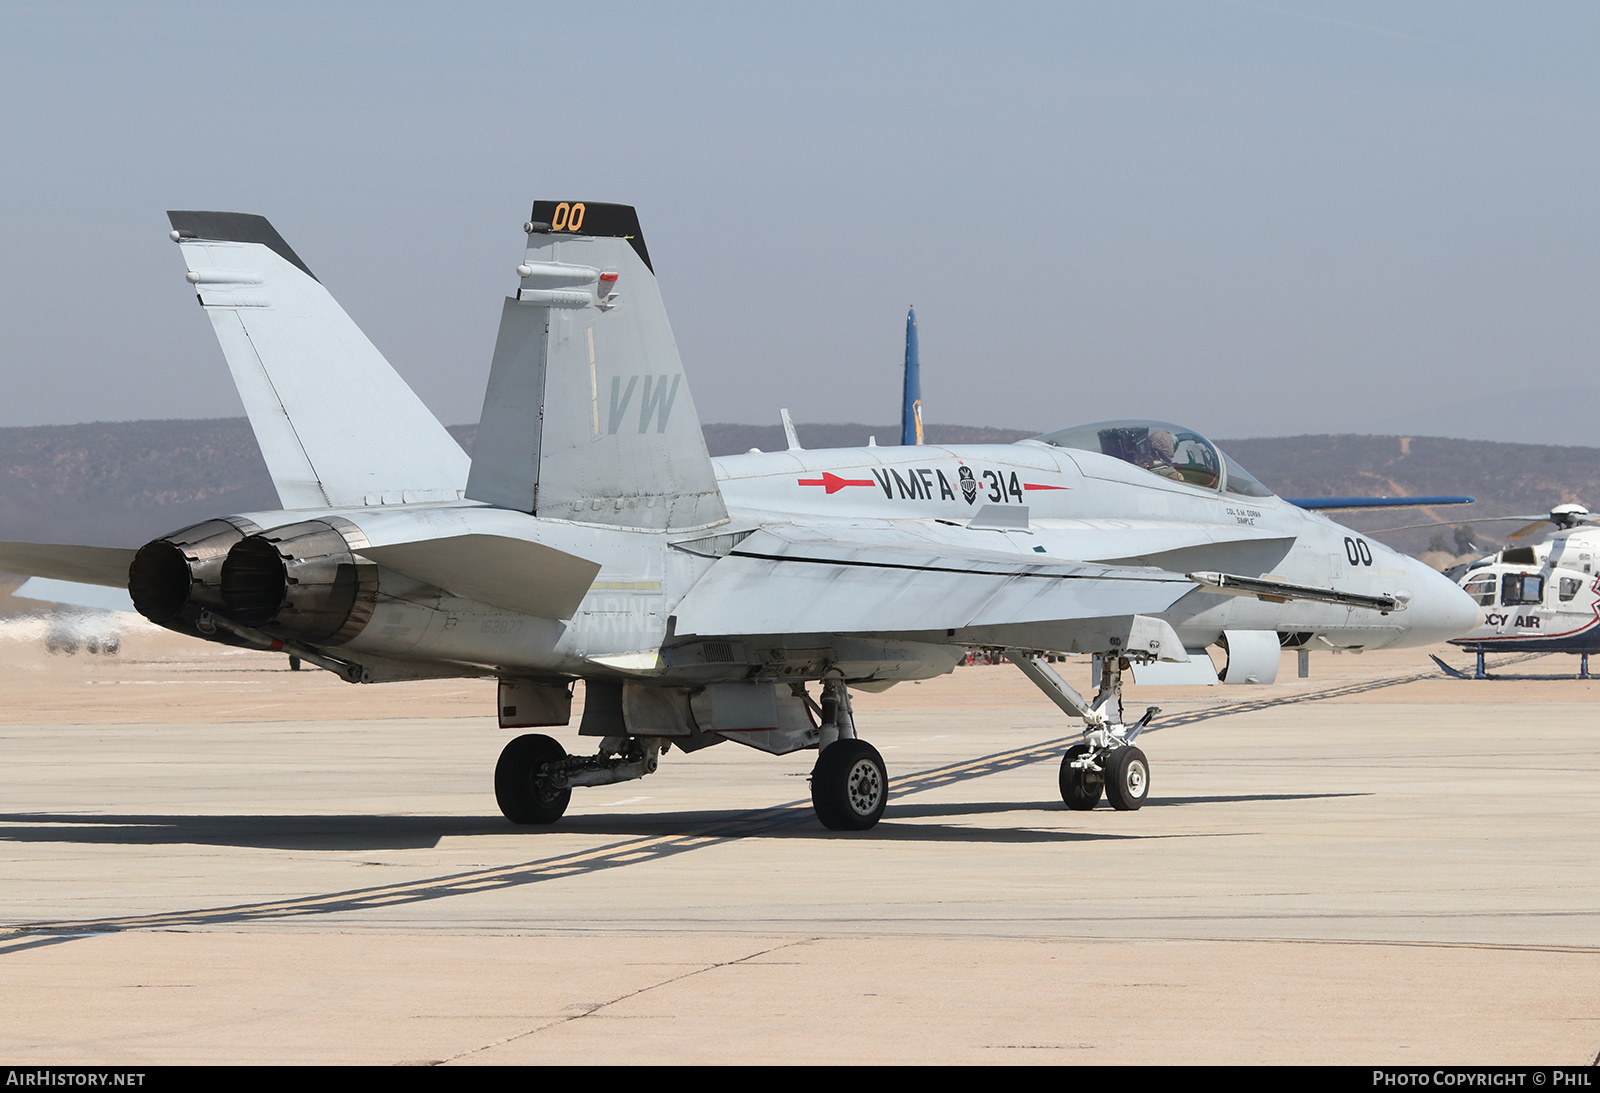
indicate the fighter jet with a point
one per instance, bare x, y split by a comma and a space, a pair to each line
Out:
591, 537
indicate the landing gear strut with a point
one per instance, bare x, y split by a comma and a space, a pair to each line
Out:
849, 784
1106, 762
533, 780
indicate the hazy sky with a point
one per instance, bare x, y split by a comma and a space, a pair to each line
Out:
1253, 218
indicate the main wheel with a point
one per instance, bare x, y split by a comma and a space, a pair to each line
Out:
849, 786
1080, 788
525, 797
1127, 777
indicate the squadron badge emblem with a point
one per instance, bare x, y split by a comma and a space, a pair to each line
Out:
969, 485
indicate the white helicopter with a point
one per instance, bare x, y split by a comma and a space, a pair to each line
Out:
1540, 598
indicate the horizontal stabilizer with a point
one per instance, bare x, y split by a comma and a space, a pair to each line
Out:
336, 424
90, 565
518, 575
776, 583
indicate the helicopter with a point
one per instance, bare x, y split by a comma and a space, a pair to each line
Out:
1534, 598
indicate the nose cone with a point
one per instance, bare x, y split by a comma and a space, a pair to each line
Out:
1439, 610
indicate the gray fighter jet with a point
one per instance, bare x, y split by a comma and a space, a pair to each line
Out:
591, 537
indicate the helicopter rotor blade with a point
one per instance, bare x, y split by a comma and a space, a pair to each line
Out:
1459, 523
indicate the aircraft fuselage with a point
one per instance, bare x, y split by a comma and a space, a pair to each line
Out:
1027, 500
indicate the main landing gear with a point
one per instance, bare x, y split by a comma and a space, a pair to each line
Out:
849, 784
1106, 762
534, 778
525, 784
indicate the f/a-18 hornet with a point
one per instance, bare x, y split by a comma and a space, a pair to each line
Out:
591, 537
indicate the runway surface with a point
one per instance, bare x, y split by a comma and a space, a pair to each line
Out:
208, 858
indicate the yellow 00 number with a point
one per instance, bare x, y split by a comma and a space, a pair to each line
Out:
567, 218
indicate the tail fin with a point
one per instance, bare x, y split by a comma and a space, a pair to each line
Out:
336, 424
911, 403
587, 416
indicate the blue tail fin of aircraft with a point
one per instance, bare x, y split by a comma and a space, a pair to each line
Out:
911, 406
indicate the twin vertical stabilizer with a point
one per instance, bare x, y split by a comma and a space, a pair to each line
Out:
336, 424
588, 416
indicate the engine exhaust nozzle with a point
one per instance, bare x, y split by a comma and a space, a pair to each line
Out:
174, 578
302, 580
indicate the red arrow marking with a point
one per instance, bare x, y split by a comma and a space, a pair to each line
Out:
1037, 486
833, 483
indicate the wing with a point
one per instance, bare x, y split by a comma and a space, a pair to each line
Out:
799, 581
85, 564
94, 597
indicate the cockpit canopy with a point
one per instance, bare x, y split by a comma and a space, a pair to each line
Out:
1163, 449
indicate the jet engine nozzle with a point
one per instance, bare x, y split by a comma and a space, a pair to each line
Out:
303, 580
174, 578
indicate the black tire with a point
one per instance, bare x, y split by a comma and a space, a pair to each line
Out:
1127, 778
849, 786
524, 797
1080, 789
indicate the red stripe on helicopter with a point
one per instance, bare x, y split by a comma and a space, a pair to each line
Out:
833, 483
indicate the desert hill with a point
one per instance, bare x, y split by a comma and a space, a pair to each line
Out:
123, 483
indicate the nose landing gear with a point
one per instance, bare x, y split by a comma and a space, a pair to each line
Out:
1127, 775
1081, 786
1106, 762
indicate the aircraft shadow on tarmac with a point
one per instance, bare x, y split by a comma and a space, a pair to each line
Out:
259, 832
369, 833
377, 832
908, 811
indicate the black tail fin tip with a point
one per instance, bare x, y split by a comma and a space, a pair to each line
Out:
591, 218
236, 228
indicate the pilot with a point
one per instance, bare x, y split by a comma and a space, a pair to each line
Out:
1163, 455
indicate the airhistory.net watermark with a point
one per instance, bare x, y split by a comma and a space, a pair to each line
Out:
51, 1077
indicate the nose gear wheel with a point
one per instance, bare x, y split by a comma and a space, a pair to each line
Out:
1081, 788
1127, 778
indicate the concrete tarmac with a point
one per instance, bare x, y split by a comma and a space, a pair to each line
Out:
208, 858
